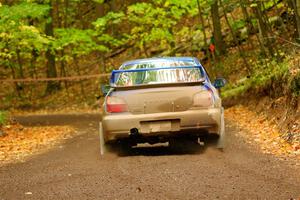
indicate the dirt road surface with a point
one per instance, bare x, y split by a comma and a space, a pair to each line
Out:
75, 170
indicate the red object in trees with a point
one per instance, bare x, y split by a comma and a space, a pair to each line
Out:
212, 48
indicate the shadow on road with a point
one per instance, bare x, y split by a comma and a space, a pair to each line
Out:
160, 149
83, 121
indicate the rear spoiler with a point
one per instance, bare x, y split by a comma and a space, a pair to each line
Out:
181, 84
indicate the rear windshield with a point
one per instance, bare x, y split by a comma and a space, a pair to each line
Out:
159, 64
158, 76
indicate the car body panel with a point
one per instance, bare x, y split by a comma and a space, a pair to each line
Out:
119, 126
160, 99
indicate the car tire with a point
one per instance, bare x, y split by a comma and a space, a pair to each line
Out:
103, 148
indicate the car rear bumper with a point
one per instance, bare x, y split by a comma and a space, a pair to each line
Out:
116, 126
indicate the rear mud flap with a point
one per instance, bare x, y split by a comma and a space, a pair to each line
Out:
102, 141
221, 140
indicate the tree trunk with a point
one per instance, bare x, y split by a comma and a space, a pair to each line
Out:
14, 77
217, 31
263, 29
100, 10
298, 15
235, 39
63, 72
250, 27
79, 74
296, 8
66, 13
203, 29
51, 68
21, 72
34, 56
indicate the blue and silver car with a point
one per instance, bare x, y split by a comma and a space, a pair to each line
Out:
161, 100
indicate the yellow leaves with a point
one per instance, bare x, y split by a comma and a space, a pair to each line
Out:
294, 65
167, 4
255, 127
4, 35
21, 142
5, 55
23, 43
12, 23
29, 28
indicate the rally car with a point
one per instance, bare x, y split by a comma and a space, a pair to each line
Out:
155, 100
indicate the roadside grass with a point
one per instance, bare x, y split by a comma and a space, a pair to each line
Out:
266, 75
271, 88
3, 118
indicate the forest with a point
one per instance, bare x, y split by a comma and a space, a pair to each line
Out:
57, 53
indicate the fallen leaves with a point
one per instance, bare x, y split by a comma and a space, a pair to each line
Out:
28, 193
256, 128
20, 142
63, 110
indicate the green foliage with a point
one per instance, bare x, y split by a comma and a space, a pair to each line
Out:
155, 23
80, 41
25, 10
109, 19
163, 27
3, 118
238, 24
16, 33
264, 76
99, 1
101, 26
269, 4
151, 24
22, 32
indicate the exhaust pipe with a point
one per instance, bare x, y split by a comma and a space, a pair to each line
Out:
134, 132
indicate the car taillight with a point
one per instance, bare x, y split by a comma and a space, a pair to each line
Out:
203, 99
115, 105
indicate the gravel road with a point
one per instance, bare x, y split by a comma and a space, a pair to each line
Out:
75, 170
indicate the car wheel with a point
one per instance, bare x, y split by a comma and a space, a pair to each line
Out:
103, 148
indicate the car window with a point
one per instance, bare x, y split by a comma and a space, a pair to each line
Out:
159, 64
159, 76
